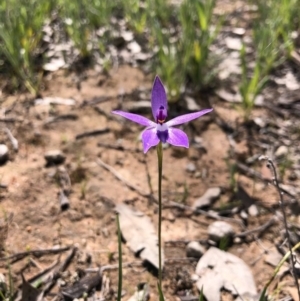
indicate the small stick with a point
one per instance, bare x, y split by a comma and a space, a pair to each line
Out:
113, 267
95, 101
42, 273
121, 179
35, 263
64, 179
16, 257
12, 139
178, 259
10, 119
212, 215
117, 147
103, 113
251, 172
92, 133
64, 201
259, 229
271, 165
61, 117
56, 273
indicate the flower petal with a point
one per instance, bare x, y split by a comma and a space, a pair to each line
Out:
178, 137
187, 117
158, 97
135, 118
149, 138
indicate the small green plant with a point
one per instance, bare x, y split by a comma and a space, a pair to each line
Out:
83, 189
224, 243
20, 38
110, 256
251, 84
232, 168
168, 66
77, 26
183, 51
282, 17
272, 38
283, 165
197, 37
7, 292
135, 15
264, 294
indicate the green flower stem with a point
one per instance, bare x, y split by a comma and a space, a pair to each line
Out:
160, 159
119, 297
280, 264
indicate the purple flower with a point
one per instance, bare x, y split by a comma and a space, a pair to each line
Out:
160, 130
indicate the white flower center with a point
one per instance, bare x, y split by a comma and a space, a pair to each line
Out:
161, 127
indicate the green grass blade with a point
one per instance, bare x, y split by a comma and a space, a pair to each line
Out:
160, 293
119, 297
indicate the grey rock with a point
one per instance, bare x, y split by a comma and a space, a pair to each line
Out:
260, 122
219, 230
233, 43
140, 106
127, 36
54, 157
237, 240
252, 210
194, 277
3, 286
281, 151
142, 293
134, 47
190, 167
194, 249
139, 233
243, 214
4, 154
207, 198
191, 104
239, 31
142, 56
228, 272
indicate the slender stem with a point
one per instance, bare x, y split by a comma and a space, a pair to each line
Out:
119, 297
281, 203
160, 159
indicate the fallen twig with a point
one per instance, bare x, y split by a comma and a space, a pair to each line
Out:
12, 139
60, 268
11, 119
103, 113
210, 214
84, 286
259, 229
61, 117
117, 147
178, 259
63, 201
95, 101
16, 257
253, 173
293, 262
113, 267
42, 275
121, 179
92, 133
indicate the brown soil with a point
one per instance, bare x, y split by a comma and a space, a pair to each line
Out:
33, 188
